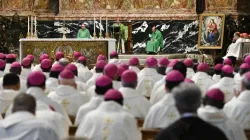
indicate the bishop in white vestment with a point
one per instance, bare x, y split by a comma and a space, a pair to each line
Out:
98, 72
111, 70
10, 58
190, 71
134, 63
26, 64
216, 77
59, 55
84, 73
244, 68
114, 58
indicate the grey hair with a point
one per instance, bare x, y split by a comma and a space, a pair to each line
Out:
130, 85
64, 62
245, 83
187, 97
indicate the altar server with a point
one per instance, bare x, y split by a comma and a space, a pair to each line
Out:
212, 113
10, 58
114, 58
102, 85
217, 69
134, 64
84, 73
111, 70
52, 81
11, 85
83, 33
98, 72
23, 125
163, 113
148, 76
202, 79
238, 108
41, 58
59, 55
234, 48
190, 71
66, 93
109, 121
187, 98
227, 84
244, 68
17, 69
2, 67
162, 66
26, 64
136, 103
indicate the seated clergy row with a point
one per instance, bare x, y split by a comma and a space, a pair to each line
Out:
112, 95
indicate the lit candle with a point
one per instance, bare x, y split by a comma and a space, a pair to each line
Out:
106, 25
28, 24
94, 24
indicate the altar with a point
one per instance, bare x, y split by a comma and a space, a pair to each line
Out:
90, 48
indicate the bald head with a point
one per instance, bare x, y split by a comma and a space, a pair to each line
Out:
153, 29
187, 97
24, 102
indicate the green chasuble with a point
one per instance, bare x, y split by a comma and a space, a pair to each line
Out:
155, 42
83, 33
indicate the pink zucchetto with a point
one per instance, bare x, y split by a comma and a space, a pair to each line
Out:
133, 61
125, 66
36, 78
227, 61
15, 65
101, 57
218, 67
30, 56
203, 67
57, 68
71, 67
10, 56
244, 66
173, 62
81, 59
77, 55
111, 70
2, 63
121, 69
43, 56
188, 62
113, 54
245, 34
215, 94
100, 64
113, 94
66, 74
227, 69
247, 60
26, 62
247, 76
129, 76
103, 81
175, 76
2, 56
151, 61
187, 80
163, 62
59, 55
46, 63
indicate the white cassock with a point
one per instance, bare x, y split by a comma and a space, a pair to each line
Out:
158, 94
23, 84
69, 97
93, 70
136, 103
135, 69
7, 68
162, 114
51, 84
115, 61
90, 92
190, 73
1, 74
238, 81
239, 109
147, 77
84, 74
37, 68
7, 97
109, 121
116, 84
25, 73
46, 74
203, 80
216, 78
234, 49
86, 108
91, 81
228, 86
81, 86
218, 118
158, 84
23, 125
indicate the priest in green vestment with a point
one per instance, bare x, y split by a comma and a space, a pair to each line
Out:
83, 32
155, 42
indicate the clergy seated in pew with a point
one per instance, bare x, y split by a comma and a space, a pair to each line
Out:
59, 55
212, 113
187, 97
134, 64
162, 66
26, 68
84, 73
114, 58
156, 41
111, 70
22, 123
10, 58
98, 72
149, 134
16, 68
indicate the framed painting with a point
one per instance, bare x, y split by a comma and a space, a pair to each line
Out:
211, 31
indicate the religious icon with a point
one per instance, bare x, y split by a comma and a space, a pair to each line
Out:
211, 31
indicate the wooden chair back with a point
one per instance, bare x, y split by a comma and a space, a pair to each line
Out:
72, 119
149, 134
247, 132
72, 130
140, 122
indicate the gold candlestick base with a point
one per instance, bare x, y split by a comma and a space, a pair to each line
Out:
100, 36
64, 36
35, 35
28, 35
94, 35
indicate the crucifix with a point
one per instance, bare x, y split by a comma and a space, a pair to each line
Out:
65, 103
171, 116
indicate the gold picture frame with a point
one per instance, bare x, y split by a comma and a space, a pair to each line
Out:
211, 31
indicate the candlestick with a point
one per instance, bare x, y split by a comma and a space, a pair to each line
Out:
28, 33
107, 31
100, 26
94, 34
35, 34
31, 26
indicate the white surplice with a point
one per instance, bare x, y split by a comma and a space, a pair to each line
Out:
69, 97
25, 73
234, 49
203, 80
109, 121
238, 81
116, 84
91, 81
158, 94
37, 68
23, 84
24, 126
84, 74
228, 86
147, 77
135, 69
190, 73
216, 78
51, 84
91, 92
1, 74
159, 84
218, 118
7, 97
7, 68
239, 109
81, 86
162, 114
115, 61
136, 103
86, 108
